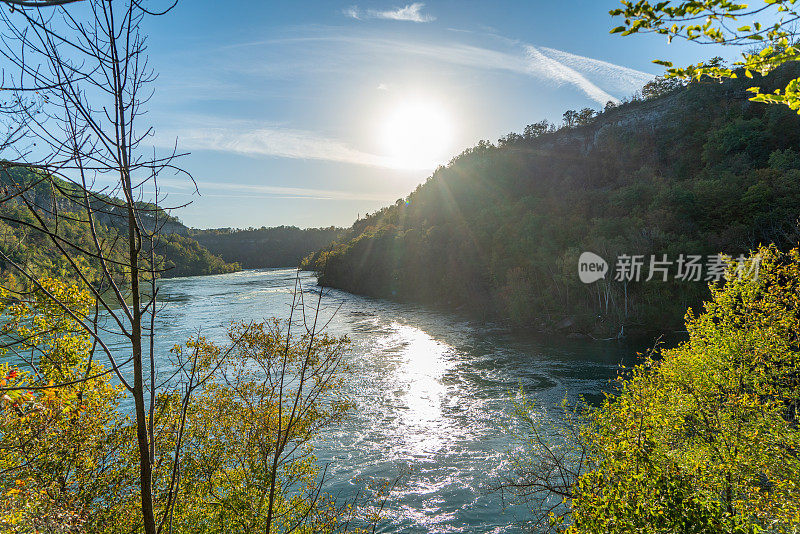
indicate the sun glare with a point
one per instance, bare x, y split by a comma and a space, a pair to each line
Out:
417, 135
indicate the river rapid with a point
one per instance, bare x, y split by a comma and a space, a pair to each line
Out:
431, 391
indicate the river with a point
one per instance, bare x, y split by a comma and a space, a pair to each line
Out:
431, 392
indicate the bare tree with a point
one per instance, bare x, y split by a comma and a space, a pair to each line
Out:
544, 468
77, 156
80, 83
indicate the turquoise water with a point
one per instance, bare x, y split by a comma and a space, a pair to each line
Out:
431, 392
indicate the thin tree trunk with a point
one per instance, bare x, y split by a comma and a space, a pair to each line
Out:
145, 467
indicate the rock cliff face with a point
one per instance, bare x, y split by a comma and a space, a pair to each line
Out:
499, 230
638, 116
48, 203
27, 194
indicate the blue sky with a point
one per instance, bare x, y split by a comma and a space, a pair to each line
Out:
301, 113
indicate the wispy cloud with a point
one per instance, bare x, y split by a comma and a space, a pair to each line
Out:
278, 142
559, 73
586, 74
599, 80
235, 190
614, 78
275, 142
325, 51
409, 13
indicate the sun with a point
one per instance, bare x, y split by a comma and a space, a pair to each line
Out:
417, 135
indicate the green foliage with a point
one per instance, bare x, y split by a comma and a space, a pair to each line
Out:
724, 22
60, 431
705, 437
24, 243
253, 248
498, 231
243, 440
659, 87
183, 256
243, 430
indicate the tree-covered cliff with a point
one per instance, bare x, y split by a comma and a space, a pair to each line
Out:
253, 248
694, 170
31, 201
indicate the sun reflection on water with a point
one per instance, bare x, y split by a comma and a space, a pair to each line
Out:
420, 363
430, 394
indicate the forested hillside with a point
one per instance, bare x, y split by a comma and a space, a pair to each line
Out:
253, 248
23, 243
498, 231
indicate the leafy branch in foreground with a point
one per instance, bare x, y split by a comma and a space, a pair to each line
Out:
702, 438
544, 467
724, 22
234, 428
